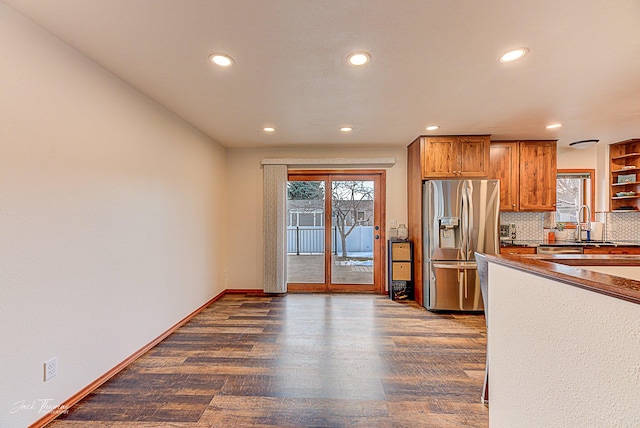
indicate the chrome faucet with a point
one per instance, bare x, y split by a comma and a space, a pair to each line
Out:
587, 223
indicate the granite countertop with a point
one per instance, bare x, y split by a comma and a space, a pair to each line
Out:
566, 268
537, 243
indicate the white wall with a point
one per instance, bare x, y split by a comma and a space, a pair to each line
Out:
110, 219
596, 158
244, 178
569, 158
560, 356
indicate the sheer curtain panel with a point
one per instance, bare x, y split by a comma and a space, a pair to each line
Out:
275, 231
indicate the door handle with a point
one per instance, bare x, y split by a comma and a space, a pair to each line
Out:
377, 227
377, 236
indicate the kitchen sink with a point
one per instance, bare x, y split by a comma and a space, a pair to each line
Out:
581, 244
613, 244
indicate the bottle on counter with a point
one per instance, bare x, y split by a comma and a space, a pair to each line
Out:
551, 237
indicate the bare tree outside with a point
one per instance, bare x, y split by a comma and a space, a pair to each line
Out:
348, 199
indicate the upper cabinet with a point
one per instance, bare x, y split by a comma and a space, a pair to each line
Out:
504, 166
453, 156
624, 168
527, 174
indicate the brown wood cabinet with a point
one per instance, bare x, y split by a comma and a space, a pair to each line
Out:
438, 157
527, 173
612, 250
454, 156
517, 250
503, 164
624, 170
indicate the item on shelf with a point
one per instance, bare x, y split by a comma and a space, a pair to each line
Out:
626, 208
621, 194
393, 233
628, 178
403, 232
629, 167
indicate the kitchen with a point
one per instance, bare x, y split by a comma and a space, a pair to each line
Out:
545, 327
527, 173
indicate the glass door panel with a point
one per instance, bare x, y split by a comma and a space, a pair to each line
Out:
352, 232
306, 231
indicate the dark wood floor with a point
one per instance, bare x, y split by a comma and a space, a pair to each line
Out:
301, 360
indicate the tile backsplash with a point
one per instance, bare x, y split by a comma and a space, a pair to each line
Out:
619, 226
528, 225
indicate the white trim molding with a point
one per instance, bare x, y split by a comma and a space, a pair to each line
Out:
332, 162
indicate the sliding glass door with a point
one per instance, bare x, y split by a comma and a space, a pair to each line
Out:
334, 231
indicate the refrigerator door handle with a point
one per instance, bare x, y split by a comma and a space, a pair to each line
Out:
461, 287
469, 246
455, 265
466, 288
464, 226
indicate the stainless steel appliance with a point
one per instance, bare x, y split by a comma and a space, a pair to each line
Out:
559, 249
460, 218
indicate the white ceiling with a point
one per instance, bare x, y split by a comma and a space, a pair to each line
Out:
433, 61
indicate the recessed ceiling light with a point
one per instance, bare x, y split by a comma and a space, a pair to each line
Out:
359, 58
554, 126
222, 60
269, 129
346, 129
514, 55
432, 127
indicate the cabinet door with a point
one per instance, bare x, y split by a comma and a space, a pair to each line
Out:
401, 271
537, 176
473, 155
400, 251
503, 165
439, 159
612, 250
517, 250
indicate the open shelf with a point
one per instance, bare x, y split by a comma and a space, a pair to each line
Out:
627, 156
624, 159
626, 184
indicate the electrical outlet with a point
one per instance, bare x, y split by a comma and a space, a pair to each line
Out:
50, 369
393, 223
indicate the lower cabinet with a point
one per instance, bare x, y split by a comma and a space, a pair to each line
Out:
517, 250
612, 250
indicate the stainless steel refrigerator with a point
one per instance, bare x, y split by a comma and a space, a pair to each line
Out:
460, 217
